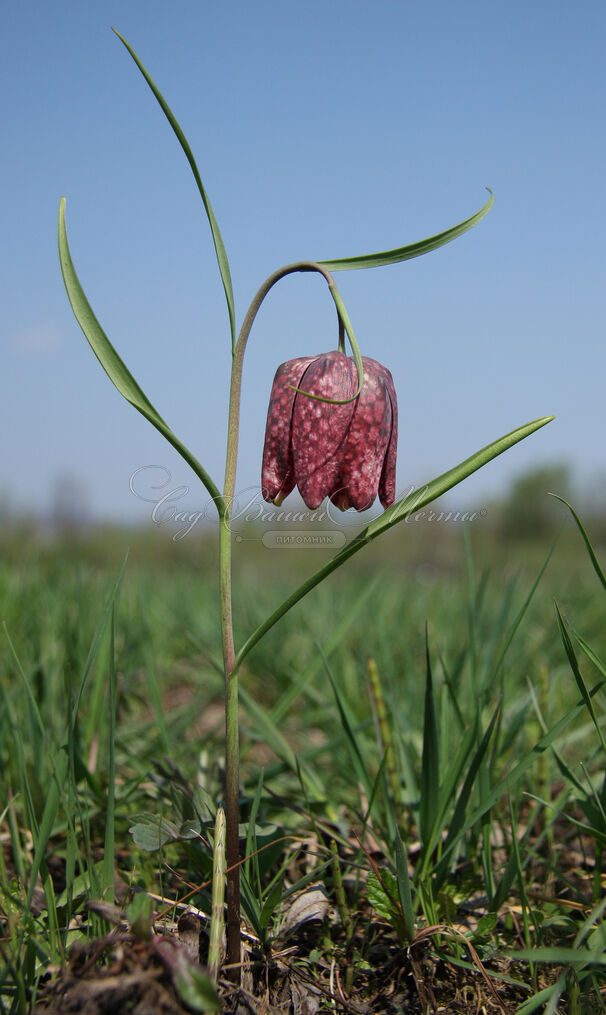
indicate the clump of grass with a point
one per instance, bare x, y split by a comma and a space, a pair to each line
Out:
468, 858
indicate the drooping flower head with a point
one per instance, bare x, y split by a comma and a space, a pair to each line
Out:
346, 452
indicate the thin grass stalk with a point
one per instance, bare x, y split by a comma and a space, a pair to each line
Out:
341, 901
543, 767
515, 846
110, 823
384, 731
15, 838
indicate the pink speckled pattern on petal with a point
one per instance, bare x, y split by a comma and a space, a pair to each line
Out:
346, 452
387, 483
319, 429
278, 477
367, 439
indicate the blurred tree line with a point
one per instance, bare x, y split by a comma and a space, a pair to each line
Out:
527, 511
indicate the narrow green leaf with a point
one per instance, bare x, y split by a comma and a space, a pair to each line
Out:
347, 723
270, 905
457, 825
116, 370
413, 249
593, 814
251, 854
430, 764
250, 905
48, 819
448, 795
587, 926
509, 781
404, 892
303, 681
565, 770
107, 873
391, 817
591, 654
519, 872
399, 512
267, 730
590, 550
552, 992
66, 751
214, 227
560, 956
35, 717
572, 659
96, 643
520, 616
513, 865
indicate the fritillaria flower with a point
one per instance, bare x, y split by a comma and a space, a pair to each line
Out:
346, 452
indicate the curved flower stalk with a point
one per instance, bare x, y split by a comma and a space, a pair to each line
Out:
351, 467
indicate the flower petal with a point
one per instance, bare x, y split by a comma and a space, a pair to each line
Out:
367, 441
387, 483
319, 429
278, 477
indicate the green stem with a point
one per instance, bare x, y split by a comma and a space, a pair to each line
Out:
217, 923
341, 345
232, 752
232, 775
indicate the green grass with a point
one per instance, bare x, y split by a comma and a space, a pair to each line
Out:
448, 794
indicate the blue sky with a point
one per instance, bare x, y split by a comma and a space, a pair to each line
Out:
321, 130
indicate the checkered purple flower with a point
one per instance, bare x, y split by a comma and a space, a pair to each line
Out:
345, 452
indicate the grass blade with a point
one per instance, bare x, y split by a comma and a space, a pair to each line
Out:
350, 735
65, 754
107, 874
522, 611
590, 550
572, 659
251, 865
33, 705
457, 826
448, 794
510, 780
384, 733
303, 683
412, 249
430, 763
267, 730
404, 892
561, 955
214, 227
591, 654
